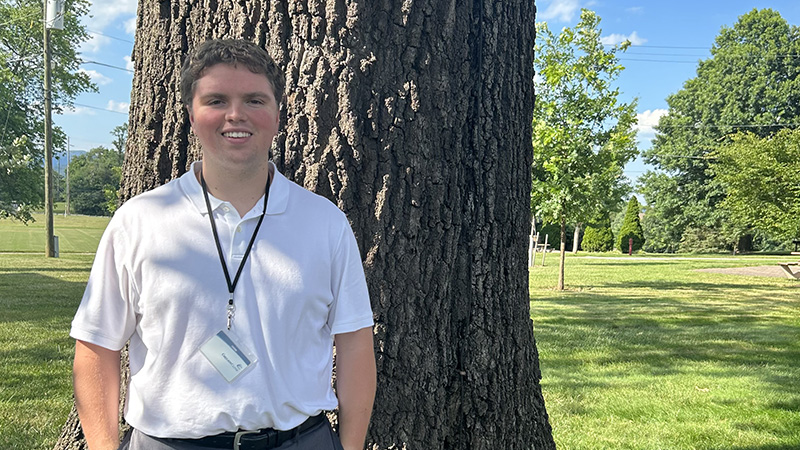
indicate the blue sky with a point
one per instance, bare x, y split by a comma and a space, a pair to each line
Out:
669, 38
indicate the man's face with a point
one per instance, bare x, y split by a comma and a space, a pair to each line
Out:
235, 117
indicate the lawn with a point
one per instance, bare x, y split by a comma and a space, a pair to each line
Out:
650, 354
38, 297
76, 234
636, 354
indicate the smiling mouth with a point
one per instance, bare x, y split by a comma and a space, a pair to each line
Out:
237, 134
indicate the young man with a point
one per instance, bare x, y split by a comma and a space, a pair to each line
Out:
231, 283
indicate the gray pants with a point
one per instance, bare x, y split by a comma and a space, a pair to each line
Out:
321, 437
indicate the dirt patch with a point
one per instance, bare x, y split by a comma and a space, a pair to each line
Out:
758, 271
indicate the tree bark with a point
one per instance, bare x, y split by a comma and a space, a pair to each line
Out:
415, 119
576, 238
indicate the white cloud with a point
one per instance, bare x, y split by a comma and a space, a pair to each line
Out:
650, 117
130, 26
635, 9
129, 62
105, 12
560, 10
614, 39
102, 14
94, 43
645, 122
96, 76
118, 106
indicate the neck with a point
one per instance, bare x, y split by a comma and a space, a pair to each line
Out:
242, 190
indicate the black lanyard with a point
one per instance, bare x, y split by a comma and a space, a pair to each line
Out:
232, 286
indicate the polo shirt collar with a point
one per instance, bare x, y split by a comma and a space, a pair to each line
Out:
278, 192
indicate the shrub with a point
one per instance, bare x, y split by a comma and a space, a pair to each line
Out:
553, 231
631, 228
598, 237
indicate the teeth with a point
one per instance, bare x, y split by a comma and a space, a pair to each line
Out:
236, 134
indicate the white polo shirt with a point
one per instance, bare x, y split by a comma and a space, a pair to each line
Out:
157, 281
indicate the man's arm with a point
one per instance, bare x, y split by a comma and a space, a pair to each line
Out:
96, 377
355, 385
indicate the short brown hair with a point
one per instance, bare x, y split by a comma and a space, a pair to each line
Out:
232, 52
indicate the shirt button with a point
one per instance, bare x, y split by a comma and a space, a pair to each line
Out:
225, 208
238, 229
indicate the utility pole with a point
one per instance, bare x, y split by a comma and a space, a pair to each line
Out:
54, 18
49, 246
66, 206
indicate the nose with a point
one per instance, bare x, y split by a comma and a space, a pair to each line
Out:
235, 112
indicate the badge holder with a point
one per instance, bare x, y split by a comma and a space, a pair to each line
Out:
230, 358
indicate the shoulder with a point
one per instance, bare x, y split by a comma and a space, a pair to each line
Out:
156, 198
151, 207
294, 199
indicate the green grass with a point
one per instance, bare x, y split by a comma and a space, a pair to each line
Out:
636, 354
650, 354
76, 234
38, 297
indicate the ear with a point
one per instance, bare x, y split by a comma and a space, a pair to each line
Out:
191, 115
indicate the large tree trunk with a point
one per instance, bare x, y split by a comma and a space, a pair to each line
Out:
414, 118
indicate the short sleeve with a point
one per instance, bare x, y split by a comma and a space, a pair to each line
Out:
106, 315
351, 310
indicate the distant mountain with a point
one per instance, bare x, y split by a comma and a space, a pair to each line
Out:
60, 164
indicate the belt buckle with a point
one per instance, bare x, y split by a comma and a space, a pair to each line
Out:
238, 437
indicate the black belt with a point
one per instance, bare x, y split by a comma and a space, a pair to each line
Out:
264, 439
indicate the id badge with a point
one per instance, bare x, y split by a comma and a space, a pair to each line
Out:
225, 353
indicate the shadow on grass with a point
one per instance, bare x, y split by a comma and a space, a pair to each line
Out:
36, 350
763, 447
683, 285
641, 326
16, 271
665, 334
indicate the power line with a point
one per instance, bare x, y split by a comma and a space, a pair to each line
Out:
702, 125
668, 46
106, 65
101, 109
662, 54
656, 60
110, 37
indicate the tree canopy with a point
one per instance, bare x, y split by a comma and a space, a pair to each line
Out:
761, 179
750, 83
21, 98
94, 181
582, 133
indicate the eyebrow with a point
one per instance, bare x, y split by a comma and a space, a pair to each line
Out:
248, 95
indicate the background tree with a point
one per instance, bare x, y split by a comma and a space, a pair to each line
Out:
761, 179
94, 176
414, 118
663, 221
749, 83
120, 134
631, 228
582, 134
598, 236
21, 101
